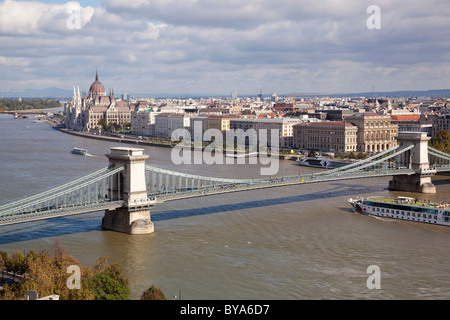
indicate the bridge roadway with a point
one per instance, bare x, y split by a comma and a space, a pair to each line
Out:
270, 183
179, 194
221, 186
60, 212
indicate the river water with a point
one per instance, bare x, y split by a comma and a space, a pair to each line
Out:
290, 243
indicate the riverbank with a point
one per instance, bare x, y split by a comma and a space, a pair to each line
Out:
30, 111
127, 140
136, 140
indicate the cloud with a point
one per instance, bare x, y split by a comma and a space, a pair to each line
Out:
24, 18
221, 46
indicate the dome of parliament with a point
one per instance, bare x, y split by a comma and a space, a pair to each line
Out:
97, 88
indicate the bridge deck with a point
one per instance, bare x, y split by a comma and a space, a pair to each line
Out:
91, 188
22, 218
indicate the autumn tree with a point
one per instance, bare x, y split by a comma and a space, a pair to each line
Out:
153, 293
18, 263
2, 267
46, 272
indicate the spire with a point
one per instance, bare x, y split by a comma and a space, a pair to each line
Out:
78, 95
96, 75
74, 95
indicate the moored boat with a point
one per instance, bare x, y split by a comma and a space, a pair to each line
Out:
323, 163
404, 208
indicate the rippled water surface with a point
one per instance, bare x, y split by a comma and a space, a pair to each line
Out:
300, 242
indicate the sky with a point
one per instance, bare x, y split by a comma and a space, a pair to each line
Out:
221, 46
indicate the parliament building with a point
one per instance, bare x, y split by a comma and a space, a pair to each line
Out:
85, 112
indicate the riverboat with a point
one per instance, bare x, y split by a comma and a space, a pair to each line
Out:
323, 163
404, 208
79, 151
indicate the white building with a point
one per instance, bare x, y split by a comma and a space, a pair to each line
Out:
283, 125
143, 119
162, 125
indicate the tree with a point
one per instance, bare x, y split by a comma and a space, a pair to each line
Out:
46, 272
2, 267
106, 287
127, 126
109, 282
153, 293
18, 263
102, 122
441, 141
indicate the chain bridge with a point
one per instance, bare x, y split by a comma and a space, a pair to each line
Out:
128, 187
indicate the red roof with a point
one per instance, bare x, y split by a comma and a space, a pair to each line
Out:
326, 124
405, 117
220, 116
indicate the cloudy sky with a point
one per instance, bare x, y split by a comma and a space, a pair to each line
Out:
223, 46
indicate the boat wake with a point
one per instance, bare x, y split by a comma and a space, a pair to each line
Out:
383, 219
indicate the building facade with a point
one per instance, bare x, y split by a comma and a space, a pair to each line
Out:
85, 112
376, 133
282, 126
325, 136
143, 119
440, 122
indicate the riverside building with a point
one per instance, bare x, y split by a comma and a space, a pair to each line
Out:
325, 136
84, 112
375, 131
283, 125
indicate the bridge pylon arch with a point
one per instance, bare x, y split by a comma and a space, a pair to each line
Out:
130, 186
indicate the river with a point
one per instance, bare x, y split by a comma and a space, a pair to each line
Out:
291, 243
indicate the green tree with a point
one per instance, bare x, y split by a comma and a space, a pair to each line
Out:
15, 104
107, 287
361, 155
127, 126
441, 141
102, 122
109, 282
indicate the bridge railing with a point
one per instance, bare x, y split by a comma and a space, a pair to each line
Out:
60, 212
274, 181
83, 192
54, 190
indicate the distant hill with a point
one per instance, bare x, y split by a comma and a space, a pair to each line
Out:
440, 93
59, 93
37, 93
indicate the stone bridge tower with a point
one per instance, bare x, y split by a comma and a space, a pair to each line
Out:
416, 159
129, 185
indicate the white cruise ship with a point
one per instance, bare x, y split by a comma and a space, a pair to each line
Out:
404, 208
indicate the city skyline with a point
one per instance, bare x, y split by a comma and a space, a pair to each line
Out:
197, 47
